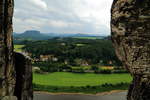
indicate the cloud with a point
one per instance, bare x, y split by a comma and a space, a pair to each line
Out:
39, 3
65, 16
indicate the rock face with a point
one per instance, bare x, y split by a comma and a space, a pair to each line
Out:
130, 25
7, 73
15, 69
9, 98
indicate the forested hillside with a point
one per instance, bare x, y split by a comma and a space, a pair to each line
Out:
93, 51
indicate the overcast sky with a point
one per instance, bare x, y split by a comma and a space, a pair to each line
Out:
63, 16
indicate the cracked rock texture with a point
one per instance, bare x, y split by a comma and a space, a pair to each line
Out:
130, 26
15, 69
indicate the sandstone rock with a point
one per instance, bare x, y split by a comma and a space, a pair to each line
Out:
7, 72
9, 98
131, 37
15, 69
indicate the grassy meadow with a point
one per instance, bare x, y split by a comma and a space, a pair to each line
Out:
74, 79
18, 48
80, 83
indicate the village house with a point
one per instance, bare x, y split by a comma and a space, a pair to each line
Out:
48, 57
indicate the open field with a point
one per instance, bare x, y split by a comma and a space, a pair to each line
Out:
73, 79
18, 48
87, 37
80, 83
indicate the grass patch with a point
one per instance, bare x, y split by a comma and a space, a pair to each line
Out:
18, 48
77, 80
80, 83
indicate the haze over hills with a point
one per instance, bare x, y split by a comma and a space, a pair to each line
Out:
37, 35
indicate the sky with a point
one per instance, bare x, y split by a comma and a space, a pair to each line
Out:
63, 16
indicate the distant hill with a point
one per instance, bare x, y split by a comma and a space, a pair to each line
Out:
31, 35
37, 35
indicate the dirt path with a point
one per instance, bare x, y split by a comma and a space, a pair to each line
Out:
112, 96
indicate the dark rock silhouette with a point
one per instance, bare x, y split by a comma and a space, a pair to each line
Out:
15, 69
130, 26
23, 68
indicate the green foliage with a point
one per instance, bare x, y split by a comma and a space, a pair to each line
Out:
106, 71
82, 89
70, 49
77, 69
48, 66
103, 71
95, 68
64, 67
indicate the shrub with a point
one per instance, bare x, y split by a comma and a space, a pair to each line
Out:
103, 71
82, 89
77, 70
88, 86
64, 67
47, 66
94, 68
